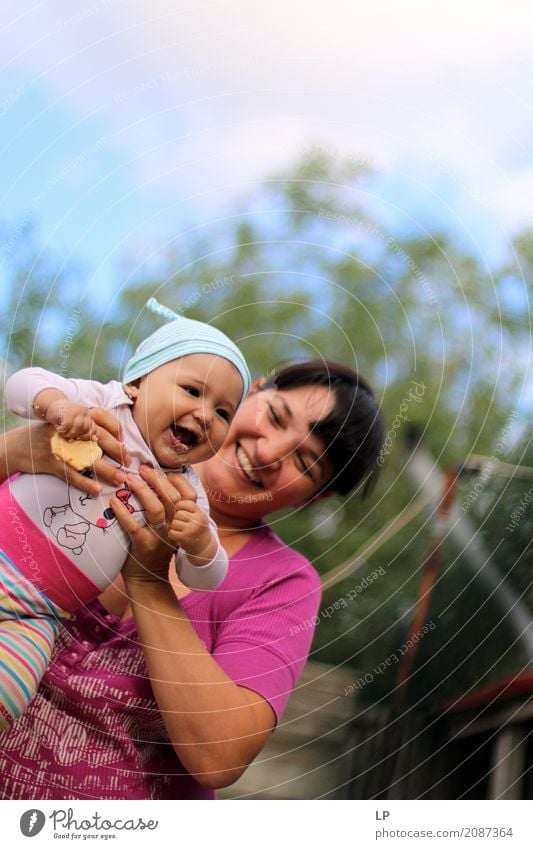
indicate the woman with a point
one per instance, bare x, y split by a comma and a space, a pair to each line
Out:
155, 692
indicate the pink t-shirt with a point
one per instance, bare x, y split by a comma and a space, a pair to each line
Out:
93, 730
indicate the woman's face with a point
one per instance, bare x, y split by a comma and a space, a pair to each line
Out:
271, 458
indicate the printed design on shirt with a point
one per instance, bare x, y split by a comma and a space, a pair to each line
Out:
96, 719
85, 516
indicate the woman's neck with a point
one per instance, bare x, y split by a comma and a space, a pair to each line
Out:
233, 531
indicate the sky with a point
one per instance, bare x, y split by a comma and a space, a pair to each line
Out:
125, 122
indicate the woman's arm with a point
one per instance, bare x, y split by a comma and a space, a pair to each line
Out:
8, 452
215, 726
27, 449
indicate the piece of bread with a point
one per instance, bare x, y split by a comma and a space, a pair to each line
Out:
78, 453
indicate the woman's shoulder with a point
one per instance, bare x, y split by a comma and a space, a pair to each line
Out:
269, 556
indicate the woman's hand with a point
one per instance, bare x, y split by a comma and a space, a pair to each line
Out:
27, 449
151, 549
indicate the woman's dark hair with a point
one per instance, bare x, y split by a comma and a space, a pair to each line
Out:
354, 431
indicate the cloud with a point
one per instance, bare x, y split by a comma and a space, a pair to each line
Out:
205, 97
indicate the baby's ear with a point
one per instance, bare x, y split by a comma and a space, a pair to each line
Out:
132, 389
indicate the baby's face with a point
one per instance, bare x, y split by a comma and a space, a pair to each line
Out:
184, 408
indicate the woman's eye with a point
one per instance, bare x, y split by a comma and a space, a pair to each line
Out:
223, 414
192, 390
274, 416
304, 468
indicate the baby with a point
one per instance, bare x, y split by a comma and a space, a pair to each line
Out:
59, 546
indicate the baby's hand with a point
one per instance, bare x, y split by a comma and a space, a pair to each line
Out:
191, 531
71, 420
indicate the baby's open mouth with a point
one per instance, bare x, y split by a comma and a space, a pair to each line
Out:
183, 438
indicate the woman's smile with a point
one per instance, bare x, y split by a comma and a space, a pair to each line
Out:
246, 467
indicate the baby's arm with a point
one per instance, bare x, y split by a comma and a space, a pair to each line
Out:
191, 531
201, 562
35, 393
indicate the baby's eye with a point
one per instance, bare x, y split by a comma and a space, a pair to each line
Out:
224, 414
192, 390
